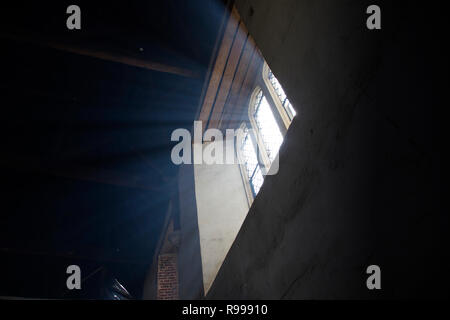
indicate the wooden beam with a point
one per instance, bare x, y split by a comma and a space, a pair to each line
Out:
244, 64
131, 61
219, 67
228, 75
240, 106
107, 56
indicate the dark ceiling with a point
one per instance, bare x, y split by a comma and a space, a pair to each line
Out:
86, 168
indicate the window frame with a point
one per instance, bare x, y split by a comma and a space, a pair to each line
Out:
259, 139
283, 114
282, 118
249, 190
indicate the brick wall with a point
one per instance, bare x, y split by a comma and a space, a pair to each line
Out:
167, 277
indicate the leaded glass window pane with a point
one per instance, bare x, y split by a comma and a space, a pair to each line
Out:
249, 154
282, 95
251, 164
257, 180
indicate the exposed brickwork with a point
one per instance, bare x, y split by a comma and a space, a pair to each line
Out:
167, 277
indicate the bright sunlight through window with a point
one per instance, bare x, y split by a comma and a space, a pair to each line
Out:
251, 164
268, 127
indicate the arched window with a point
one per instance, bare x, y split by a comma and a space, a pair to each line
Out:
270, 114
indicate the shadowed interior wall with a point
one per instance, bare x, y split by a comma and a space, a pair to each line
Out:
355, 181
